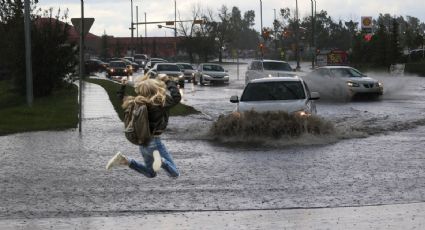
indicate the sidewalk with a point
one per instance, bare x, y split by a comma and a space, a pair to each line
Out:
403, 216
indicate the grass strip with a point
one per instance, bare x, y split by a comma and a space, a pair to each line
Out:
56, 112
112, 88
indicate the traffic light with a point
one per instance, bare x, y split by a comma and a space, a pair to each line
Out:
368, 37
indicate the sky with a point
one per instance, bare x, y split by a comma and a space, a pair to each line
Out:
113, 17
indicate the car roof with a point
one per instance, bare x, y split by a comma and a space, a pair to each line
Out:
165, 63
335, 67
210, 64
274, 79
269, 60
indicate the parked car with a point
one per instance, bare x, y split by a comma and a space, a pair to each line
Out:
95, 65
343, 81
268, 68
141, 59
151, 63
188, 71
287, 94
210, 73
117, 68
170, 69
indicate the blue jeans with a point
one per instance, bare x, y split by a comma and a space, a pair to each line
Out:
147, 152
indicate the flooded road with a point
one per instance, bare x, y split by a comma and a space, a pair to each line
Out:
376, 157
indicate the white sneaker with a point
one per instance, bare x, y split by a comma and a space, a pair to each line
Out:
157, 162
118, 159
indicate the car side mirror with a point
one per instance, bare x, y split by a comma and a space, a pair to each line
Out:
234, 99
314, 96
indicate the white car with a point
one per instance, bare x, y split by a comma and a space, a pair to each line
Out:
268, 68
210, 73
287, 94
345, 81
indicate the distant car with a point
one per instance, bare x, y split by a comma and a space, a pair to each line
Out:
268, 68
129, 58
95, 65
141, 59
210, 73
170, 69
133, 66
188, 71
117, 68
152, 62
287, 94
343, 81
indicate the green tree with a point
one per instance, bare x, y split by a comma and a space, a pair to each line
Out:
53, 56
104, 53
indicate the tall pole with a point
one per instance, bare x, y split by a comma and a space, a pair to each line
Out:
137, 22
261, 17
261, 28
297, 36
312, 35
81, 65
175, 18
28, 59
132, 30
146, 31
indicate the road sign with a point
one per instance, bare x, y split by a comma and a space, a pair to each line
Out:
367, 24
169, 23
88, 22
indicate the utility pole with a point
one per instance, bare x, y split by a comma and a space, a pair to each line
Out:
137, 21
297, 36
312, 36
146, 31
81, 65
132, 30
28, 58
261, 29
175, 18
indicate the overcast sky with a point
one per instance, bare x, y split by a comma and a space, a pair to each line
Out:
113, 16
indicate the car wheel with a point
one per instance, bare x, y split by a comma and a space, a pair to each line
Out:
201, 81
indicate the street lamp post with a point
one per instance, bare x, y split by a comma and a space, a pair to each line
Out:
81, 65
132, 30
175, 18
261, 27
297, 36
312, 34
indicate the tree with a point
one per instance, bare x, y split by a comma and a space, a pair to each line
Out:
53, 56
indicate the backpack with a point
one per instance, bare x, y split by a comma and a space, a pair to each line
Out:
136, 124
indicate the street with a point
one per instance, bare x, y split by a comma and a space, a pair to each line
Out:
375, 157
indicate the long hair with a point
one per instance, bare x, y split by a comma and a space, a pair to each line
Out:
149, 91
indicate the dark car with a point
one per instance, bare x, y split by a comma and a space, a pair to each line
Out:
95, 65
117, 68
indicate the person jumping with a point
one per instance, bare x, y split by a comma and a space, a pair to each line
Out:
159, 95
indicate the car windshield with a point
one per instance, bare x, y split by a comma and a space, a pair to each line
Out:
167, 68
185, 66
117, 64
346, 72
272, 91
139, 56
214, 68
281, 66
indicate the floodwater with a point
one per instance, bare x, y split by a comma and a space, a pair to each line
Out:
375, 157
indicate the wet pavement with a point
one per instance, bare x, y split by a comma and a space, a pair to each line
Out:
57, 179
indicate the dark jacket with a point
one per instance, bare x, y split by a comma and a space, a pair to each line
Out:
158, 115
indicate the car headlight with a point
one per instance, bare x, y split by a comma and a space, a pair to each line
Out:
181, 76
143, 62
353, 84
125, 70
380, 84
112, 70
302, 113
205, 75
